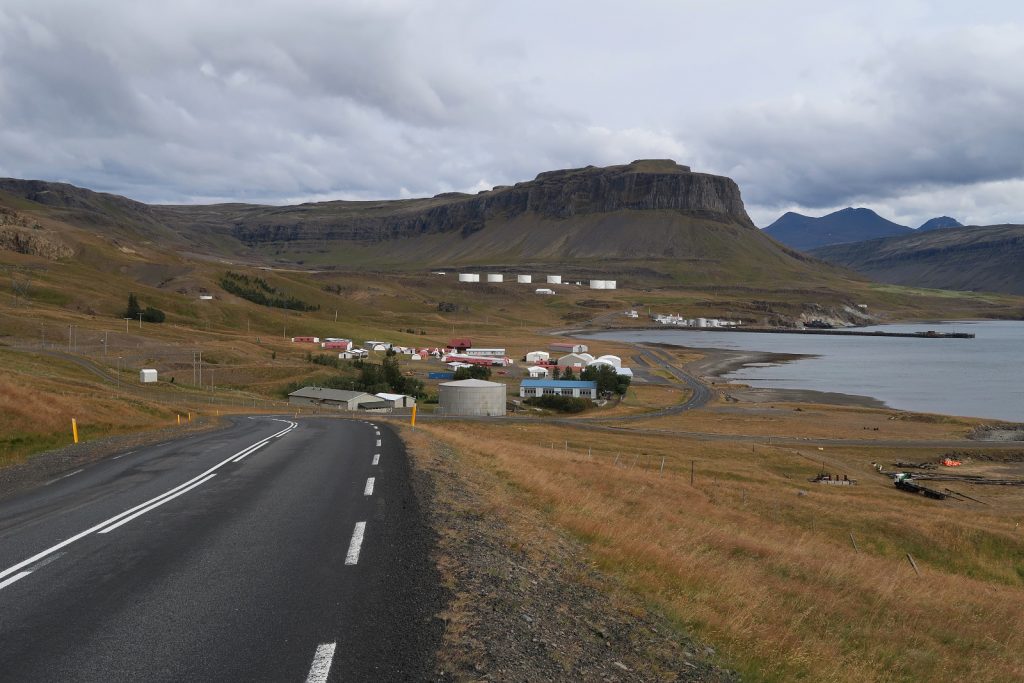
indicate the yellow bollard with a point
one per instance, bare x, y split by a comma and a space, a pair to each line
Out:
179, 420
74, 429
413, 421
190, 416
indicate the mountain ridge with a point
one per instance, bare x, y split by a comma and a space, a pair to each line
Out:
969, 258
846, 225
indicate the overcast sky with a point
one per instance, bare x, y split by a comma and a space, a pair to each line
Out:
914, 109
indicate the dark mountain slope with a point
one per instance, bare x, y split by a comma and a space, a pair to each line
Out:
940, 223
972, 258
848, 225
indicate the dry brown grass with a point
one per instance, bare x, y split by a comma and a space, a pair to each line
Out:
771, 575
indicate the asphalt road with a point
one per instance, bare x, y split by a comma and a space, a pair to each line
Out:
204, 559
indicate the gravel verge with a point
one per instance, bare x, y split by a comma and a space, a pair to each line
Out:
524, 602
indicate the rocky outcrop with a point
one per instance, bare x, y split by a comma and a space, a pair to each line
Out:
641, 186
33, 241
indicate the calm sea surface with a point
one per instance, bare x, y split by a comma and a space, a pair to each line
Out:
980, 377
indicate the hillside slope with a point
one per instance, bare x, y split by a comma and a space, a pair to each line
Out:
848, 225
970, 258
653, 216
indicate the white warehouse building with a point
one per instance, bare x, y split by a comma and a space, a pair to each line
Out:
469, 277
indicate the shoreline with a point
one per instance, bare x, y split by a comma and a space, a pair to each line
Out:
718, 362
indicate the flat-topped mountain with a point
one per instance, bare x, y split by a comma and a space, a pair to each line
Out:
970, 258
655, 215
848, 225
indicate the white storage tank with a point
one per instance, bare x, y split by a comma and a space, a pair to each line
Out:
469, 277
524, 279
147, 375
495, 277
471, 397
554, 279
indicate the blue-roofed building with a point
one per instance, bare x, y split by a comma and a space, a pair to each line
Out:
529, 388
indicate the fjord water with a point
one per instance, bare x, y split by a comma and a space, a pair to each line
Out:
980, 377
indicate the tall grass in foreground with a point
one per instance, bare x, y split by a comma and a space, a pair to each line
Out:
770, 576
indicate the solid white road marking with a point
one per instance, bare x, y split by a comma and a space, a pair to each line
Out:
376, 458
368, 489
250, 451
321, 663
68, 541
16, 577
156, 505
357, 542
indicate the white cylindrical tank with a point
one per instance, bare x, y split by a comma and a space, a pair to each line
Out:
469, 277
702, 322
471, 397
554, 279
495, 277
524, 279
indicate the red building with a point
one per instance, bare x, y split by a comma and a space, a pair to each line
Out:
460, 344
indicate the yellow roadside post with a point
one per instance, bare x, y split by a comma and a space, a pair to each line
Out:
179, 420
74, 429
413, 421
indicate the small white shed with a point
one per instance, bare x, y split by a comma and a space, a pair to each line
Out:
538, 372
147, 375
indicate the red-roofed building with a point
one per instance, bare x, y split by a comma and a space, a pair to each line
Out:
460, 344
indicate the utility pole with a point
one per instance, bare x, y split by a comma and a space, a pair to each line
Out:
140, 321
104, 342
119, 373
200, 369
69, 338
126, 325
42, 335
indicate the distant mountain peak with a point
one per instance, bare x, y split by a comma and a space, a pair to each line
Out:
851, 224
941, 222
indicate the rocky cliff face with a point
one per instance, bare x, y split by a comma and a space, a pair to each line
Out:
20, 235
640, 186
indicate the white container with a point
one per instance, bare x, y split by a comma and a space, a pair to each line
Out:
611, 284
495, 277
545, 290
469, 277
597, 284
147, 375
471, 397
524, 279
554, 279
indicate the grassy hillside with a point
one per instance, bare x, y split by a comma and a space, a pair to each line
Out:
971, 258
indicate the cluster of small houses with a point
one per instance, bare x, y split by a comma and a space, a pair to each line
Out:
464, 397
676, 319
522, 279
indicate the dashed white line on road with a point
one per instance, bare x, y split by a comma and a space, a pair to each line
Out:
321, 663
376, 458
378, 443
64, 476
352, 557
368, 489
